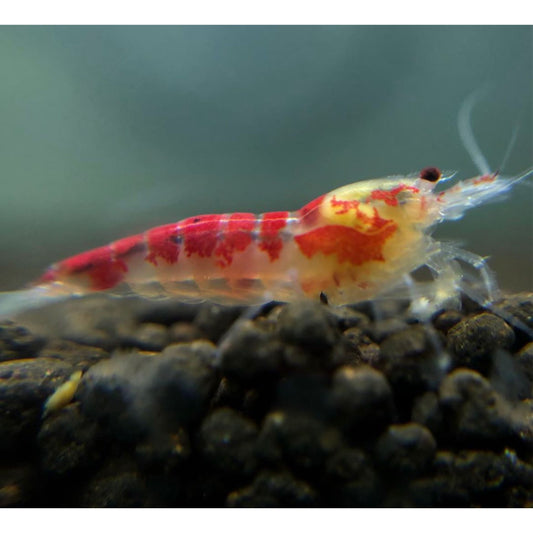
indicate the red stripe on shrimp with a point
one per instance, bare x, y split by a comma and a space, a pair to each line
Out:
269, 233
100, 265
236, 237
128, 245
200, 234
163, 243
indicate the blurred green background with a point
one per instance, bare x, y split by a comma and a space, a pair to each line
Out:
107, 131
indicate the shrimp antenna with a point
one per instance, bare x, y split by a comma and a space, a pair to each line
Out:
510, 146
464, 124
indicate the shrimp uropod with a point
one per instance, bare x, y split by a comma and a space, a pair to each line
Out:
355, 243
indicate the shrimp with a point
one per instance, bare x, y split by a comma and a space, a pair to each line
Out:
355, 243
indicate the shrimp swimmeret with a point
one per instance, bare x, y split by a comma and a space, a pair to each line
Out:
355, 243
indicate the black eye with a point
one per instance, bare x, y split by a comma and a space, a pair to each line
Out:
431, 174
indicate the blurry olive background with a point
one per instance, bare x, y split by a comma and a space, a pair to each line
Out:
106, 131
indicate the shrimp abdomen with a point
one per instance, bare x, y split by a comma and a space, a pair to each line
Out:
239, 256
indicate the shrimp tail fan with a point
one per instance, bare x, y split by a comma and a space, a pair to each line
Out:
14, 302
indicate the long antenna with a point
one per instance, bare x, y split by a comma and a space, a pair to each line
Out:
464, 124
509, 147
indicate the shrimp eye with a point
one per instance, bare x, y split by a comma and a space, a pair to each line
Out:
432, 174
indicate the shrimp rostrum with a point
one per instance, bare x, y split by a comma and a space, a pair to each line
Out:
358, 242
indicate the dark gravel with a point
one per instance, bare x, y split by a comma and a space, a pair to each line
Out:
301, 405
473, 340
252, 354
17, 342
362, 400
227, 442
24, 386
406, 450
525, 360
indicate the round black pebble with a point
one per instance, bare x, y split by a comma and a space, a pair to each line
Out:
182, 381
297, 440
308, 325
111, 391
354, 482
135, 394
476, 415
273, 489
250, 354
411, 361
227, 441
362, 399
473, 340
406, 449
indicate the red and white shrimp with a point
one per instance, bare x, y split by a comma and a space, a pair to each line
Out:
354, 243
358, 242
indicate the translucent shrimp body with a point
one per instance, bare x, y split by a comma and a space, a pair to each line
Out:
354, 243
